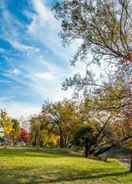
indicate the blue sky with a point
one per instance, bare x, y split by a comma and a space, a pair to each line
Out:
33, 62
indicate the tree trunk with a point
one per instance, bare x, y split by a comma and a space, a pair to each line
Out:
14, 142
86, 147
61, 141
131, 162
34, 141
103, 150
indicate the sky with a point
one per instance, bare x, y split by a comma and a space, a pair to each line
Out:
33, 61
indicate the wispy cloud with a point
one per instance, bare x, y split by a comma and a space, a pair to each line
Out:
45, 28
45, 76
15, 71
37, 64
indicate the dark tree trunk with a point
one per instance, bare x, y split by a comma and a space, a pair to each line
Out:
62, 143
34, 142
131, 162
86, 151
86, 147
103, 150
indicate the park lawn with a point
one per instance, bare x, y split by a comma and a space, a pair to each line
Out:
31, 166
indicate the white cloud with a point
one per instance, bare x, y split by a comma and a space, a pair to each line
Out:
43, 17
22, 109
15, 71
45, 28
45, 76
18, 45
12, 32
43, 12
48, 84
18, 109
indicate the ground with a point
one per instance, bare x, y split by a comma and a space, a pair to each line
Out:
31, 166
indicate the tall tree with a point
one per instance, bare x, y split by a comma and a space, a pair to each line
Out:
14, 134
64, 119
104, 28
35, 131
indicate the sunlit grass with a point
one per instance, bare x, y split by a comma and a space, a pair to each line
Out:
30, 166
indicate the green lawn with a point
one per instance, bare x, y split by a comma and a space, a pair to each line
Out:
29, 166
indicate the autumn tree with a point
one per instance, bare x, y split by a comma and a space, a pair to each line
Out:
104, 30
41, 131
35, 131
10, 126
6, 124
108, 107
14, 134
24, 135
64, 119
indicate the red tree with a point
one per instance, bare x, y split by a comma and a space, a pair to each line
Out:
24, 135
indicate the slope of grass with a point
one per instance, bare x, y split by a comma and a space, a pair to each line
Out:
30, 166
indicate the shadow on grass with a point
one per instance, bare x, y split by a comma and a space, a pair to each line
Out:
56, 173
91, 177
34, 152
21, 175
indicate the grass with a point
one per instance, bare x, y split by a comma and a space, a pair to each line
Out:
30, 166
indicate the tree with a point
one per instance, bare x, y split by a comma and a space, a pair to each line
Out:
14, 134
64, 119
35, 131
24, 135
10, 126
86, 136
114, 130
6, 124
104, 28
